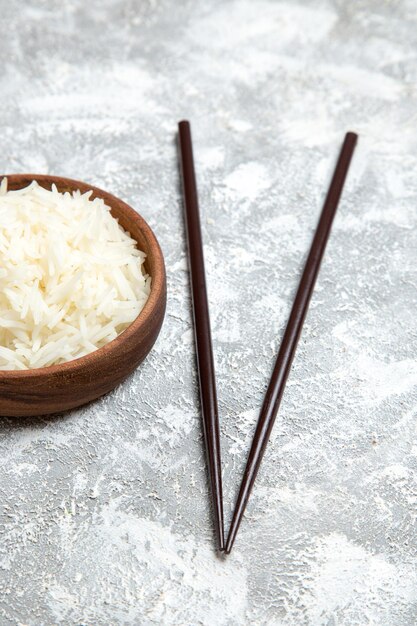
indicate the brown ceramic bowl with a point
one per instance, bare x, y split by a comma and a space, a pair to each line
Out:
68, 385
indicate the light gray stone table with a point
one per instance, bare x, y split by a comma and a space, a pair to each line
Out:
104, 511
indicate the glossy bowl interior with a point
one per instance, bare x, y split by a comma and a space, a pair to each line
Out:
61, 387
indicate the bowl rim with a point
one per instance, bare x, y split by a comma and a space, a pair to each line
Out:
157, 286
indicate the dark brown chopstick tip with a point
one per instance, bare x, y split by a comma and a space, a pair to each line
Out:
351, 139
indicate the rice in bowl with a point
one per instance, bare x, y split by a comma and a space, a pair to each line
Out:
71, 278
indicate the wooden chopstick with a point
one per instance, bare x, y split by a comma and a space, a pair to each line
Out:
292, 334
202, 333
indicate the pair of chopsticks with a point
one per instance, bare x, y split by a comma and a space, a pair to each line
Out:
289, 342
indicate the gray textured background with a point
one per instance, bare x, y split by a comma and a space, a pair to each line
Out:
104, 511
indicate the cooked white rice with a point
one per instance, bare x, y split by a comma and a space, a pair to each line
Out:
71, 278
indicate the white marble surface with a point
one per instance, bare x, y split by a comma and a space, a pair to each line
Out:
104, 511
